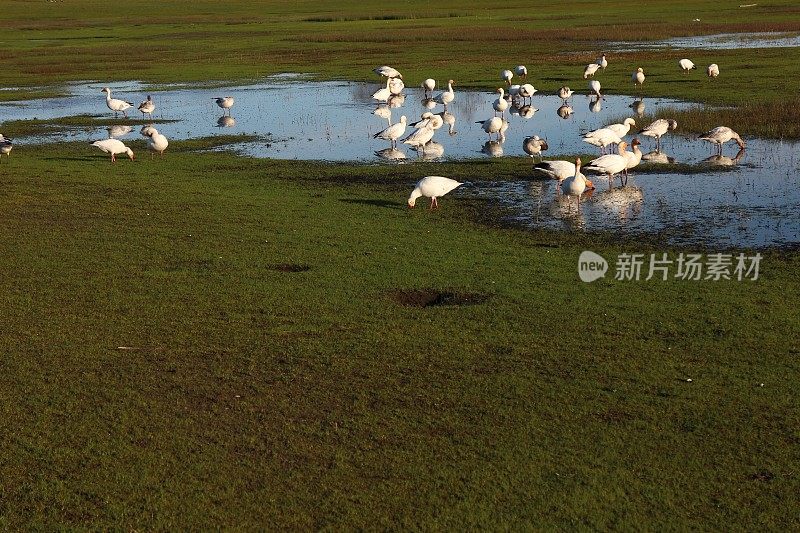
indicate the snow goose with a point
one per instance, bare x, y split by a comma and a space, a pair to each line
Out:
634, 157
686, 65
720, 135
575, 185
506, 76
420, 137
396, 85
146, 129
225, 103
432, 187
5, 147
565, 93
393, 132
500, 105
594, 88
147, 107
590, 70
521, 71
610, 164
113, 147
657, 128
526, 90
491, 125
388, 72
558, 170
622, 129
603, 62
157, 143
602, 138
429, 85
712, 70
116, 105
383, 94
534, 146
638, 77
447, 96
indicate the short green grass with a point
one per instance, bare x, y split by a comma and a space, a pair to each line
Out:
158, 373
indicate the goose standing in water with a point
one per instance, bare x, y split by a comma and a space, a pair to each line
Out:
526, 90
491, 125
383, 94
720, 135
432, 187
147, 107
393, 132
429, 85
501, 104
657, 128
225, 103
622, 129
558, 170
601, 138
157, 143
575, 185
634, 157
712, 70
116, 105
447, 96
113, 147
534, 146
565, 93
610, 164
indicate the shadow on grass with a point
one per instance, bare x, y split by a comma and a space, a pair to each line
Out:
389, 204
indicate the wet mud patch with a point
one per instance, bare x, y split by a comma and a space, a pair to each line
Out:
436, 297
290, 267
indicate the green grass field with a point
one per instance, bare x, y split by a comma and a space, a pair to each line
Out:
208, 341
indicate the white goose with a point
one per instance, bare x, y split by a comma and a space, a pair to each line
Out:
501, 104
590, 70
420, 137
638, 77
558, 170
565, 93
622, 129
603, 62
594, 88
534, 146
634, 157
447, 96
147, 107
657, 128
393, 132
602, 138
225, 103
388, 72
432, 187
429, 85
506, 76
113, 147
720, 135
158, 142
491, 125
383, 94
686, 65
396, 85
712, 70
521, 71
610, 164
575, 185
526, 90
116, 105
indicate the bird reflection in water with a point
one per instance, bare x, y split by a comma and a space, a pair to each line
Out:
565, 111
115, 132
391, 154
624, 202
657, 156
725, 161
226, 121
492, 148
595, 106
638, 107
449, 119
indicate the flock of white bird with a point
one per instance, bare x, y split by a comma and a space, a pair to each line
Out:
571, 180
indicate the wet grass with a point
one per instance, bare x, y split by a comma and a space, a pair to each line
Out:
13, 128
162, 369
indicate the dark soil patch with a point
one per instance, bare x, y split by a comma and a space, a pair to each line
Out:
762, 476
290, 267
435, 297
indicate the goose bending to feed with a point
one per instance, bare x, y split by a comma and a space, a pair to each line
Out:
500, 105
491, 125
590, 70
575, 185
686, 65
383, 94
506, 76
720, 135
558, 170
526, 90
712, 70
565, 93
146, 129
610, 164
225, 103
638, 77
147, 107
113, 147
534, 146
396, 85
521, 71
602, 138
657, 128
116, 105
622, 129
594, 88
447, 96
393, 132
388, 72
429, 85
157, 143
432, 187
603, 62
5, 147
